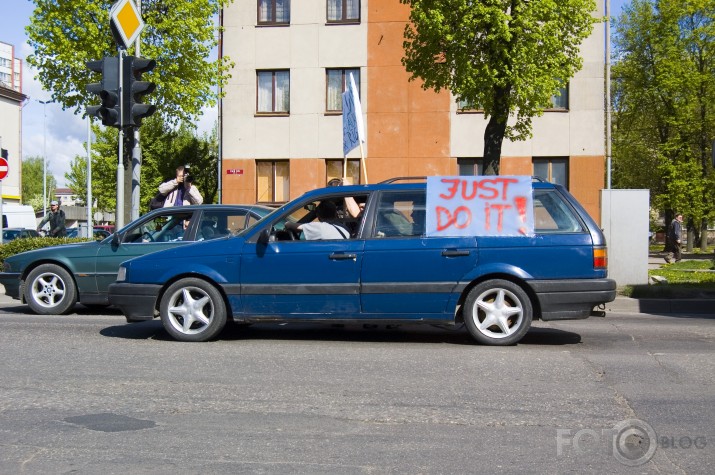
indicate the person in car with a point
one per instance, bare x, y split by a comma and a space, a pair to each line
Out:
327, 226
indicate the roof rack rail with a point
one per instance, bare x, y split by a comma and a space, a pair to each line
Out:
538, 178
402, 178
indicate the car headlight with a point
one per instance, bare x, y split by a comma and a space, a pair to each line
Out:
6, 266
122, 274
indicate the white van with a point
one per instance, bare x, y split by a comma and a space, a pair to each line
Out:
18, 216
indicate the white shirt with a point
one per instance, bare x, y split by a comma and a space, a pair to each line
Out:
320, 230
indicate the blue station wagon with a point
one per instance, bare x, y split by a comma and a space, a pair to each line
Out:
387, 270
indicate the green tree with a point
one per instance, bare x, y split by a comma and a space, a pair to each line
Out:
164, 148
508, 56
179, 35
664, 105
32, 173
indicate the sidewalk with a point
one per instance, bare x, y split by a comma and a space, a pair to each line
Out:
664, 306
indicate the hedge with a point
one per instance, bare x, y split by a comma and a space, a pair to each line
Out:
17, 246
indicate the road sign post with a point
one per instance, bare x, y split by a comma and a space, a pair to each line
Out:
4, 169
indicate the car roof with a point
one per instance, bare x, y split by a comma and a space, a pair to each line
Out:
400, 183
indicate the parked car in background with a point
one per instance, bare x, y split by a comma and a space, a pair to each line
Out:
10, 234
98, 233
51, 280
389, 270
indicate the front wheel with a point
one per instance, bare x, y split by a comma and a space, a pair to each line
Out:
50, 290
193, 310
498, 312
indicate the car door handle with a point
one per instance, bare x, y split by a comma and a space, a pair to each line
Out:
342, 256
454, 253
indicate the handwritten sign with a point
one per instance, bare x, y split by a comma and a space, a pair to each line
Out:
479, 206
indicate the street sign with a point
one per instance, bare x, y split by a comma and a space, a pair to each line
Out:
234, 171
4, 168
126, 22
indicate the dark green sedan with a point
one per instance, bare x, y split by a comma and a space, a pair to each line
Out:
52, 280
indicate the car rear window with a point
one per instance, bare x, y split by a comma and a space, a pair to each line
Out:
552, 214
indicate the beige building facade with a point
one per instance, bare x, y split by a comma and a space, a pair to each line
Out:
282, 121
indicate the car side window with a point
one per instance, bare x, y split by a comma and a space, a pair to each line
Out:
215, 224
162, 228
400, 214
553, 215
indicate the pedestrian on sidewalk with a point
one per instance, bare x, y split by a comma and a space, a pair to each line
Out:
673, 239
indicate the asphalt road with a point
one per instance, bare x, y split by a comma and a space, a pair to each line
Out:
88, 393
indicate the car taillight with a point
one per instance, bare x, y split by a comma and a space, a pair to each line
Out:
600, 258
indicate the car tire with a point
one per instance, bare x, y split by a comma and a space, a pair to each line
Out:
193, 310
50, 290
498, 312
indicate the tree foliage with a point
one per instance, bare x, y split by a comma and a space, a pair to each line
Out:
508, 56
163, 149
664, 104
32, 173
179, 35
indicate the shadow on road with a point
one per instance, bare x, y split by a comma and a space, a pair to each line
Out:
348, 333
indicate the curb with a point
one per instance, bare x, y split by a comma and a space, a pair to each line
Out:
704, 307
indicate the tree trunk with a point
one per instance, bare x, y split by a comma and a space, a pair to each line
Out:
494, 133
493, 138
704, 235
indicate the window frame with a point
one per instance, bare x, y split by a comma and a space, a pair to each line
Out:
550, 161
273, 199
565, 96
344, 76
351, 165
272, 22
477, 165
343, 20
273, 111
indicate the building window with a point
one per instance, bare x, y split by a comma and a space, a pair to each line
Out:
560, 101
468, 106
273, 92
334, 169
336, 82
273, 12
273, 181
340, 11
554, 170
470, 166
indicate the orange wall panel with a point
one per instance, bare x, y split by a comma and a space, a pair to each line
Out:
516, 166
238, 189
306, 174
586, 179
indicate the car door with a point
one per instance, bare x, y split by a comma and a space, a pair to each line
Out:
297, 278
148, 234
406, 274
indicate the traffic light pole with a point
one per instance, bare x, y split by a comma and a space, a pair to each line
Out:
136, 149
119, 214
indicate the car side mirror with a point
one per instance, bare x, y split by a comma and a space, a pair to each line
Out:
264, 237
115, 239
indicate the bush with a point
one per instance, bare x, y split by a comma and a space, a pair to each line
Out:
21, 245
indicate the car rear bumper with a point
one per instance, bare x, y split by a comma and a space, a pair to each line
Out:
136, 301
11, 281
573, 298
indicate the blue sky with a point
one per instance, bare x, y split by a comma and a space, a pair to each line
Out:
65, 132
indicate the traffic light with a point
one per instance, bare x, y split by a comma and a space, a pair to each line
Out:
107, 90
134, 89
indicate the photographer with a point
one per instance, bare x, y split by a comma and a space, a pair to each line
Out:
180, 190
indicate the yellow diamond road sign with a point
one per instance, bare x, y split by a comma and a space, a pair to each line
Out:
127, 21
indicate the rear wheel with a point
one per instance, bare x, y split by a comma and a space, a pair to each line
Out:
498, 312
193, 310
50, 290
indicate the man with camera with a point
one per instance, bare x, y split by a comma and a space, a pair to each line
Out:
180, 190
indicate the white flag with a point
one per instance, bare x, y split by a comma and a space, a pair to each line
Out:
353, 130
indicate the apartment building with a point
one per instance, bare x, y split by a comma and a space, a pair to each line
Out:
282, 114
10, 68
11, 101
